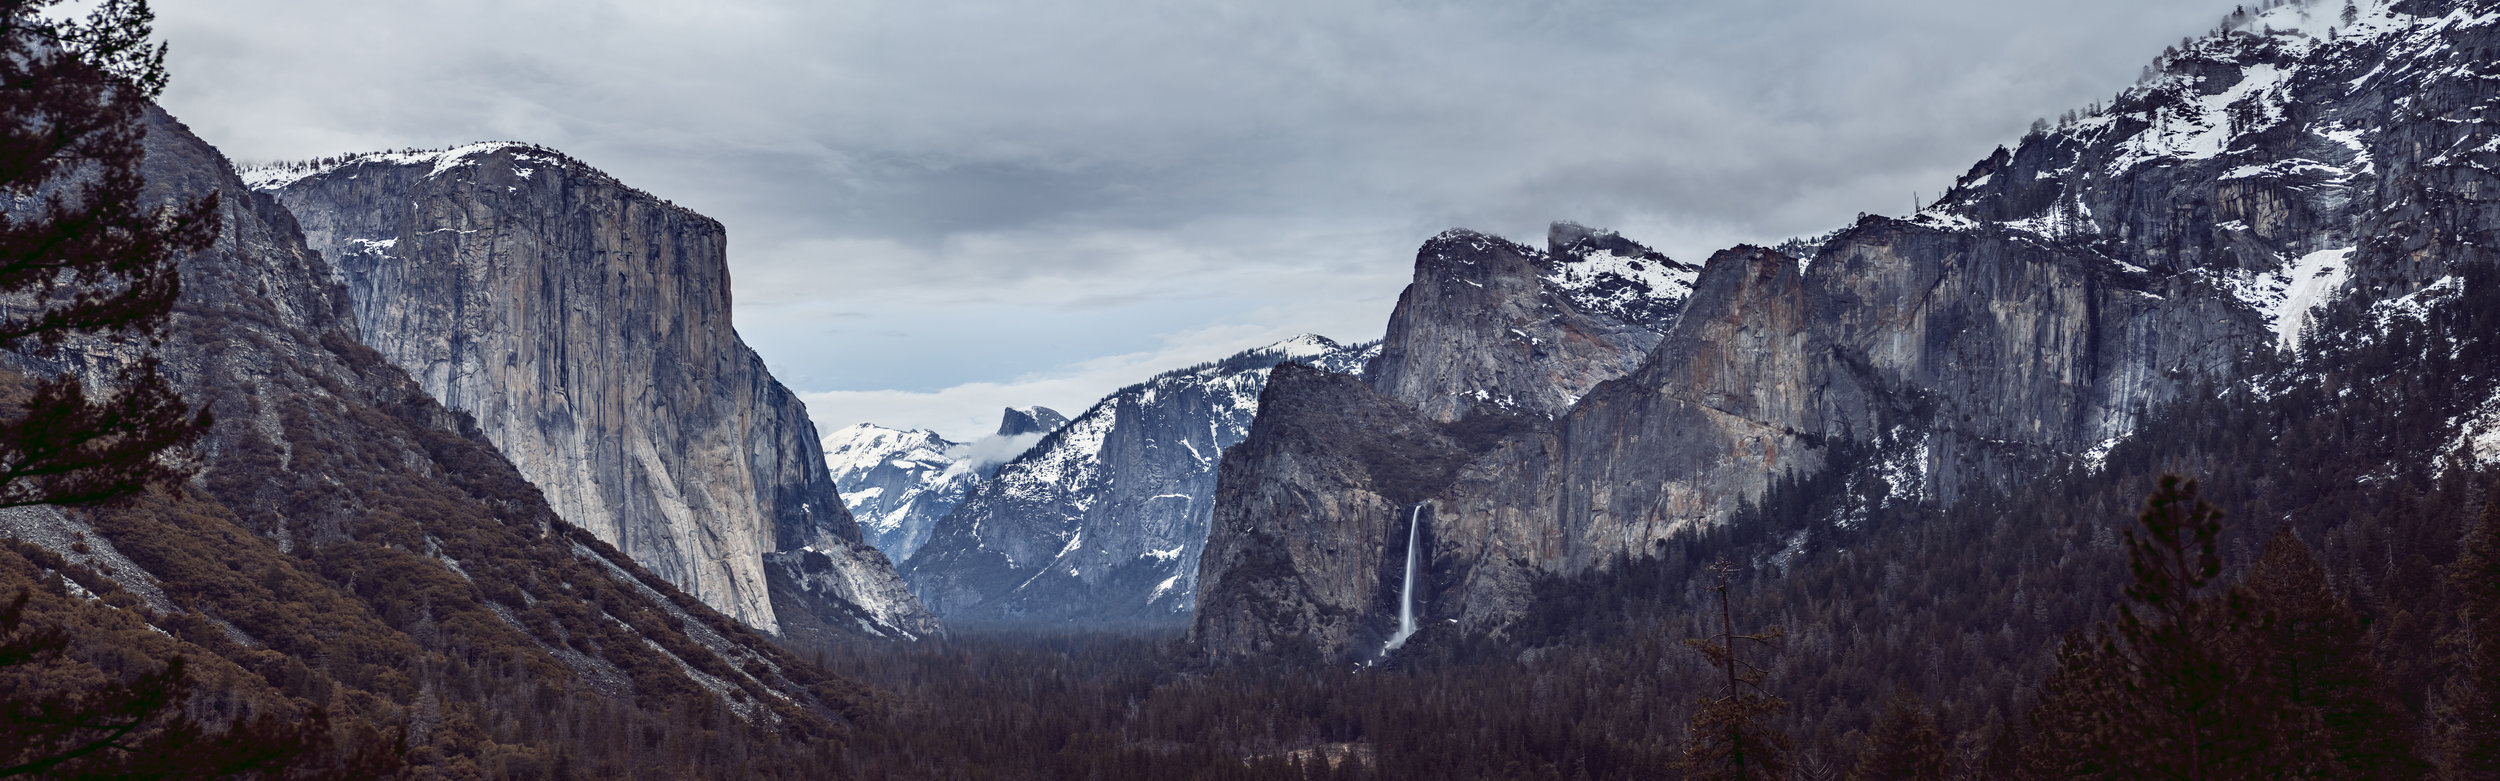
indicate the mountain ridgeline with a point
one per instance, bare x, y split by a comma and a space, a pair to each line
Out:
585, 326
2107, 266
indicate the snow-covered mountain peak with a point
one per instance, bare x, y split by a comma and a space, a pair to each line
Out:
1301, 347
2239, 97
2251, 161
897, 482
865, 446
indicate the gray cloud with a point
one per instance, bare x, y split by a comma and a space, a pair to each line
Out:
1012, 189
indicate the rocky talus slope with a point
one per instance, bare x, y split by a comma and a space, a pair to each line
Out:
585, 325
2103, 267
1101, 523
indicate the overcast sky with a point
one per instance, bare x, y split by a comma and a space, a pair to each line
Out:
938, 208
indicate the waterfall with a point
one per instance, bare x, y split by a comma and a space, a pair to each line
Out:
1406, 599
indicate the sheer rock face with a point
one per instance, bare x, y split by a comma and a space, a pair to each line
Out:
1488, 323
1998, 351
1102, 522
585, 325
1307, 544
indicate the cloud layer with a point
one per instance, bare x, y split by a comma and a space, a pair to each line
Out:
940, 200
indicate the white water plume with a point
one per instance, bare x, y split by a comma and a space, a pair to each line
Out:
1406, 600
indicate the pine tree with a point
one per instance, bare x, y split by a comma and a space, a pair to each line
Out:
1905, 746
2071, 722
2471, 708
80, 258
2182, 688
1732, 735
2171, 692
82, 261
2309, 645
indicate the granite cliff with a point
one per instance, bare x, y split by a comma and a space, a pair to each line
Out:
1494, 325
585, 326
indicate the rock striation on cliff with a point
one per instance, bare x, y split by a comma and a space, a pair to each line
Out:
2105, 266
1101, 523
585, 326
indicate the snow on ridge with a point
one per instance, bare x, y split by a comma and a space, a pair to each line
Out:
1657, 277
2205, 130
863, 446
2477, 438
2416, 305
2262, 53
1163, 588
1474, 242
857, 454
1069, 457
1069, 474
279, 175
1302, 346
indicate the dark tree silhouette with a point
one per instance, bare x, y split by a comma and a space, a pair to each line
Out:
2309, 647
1732, 736
81, 258
2070, 724
2472, 711
82, 265
2181, 688
1905, 746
